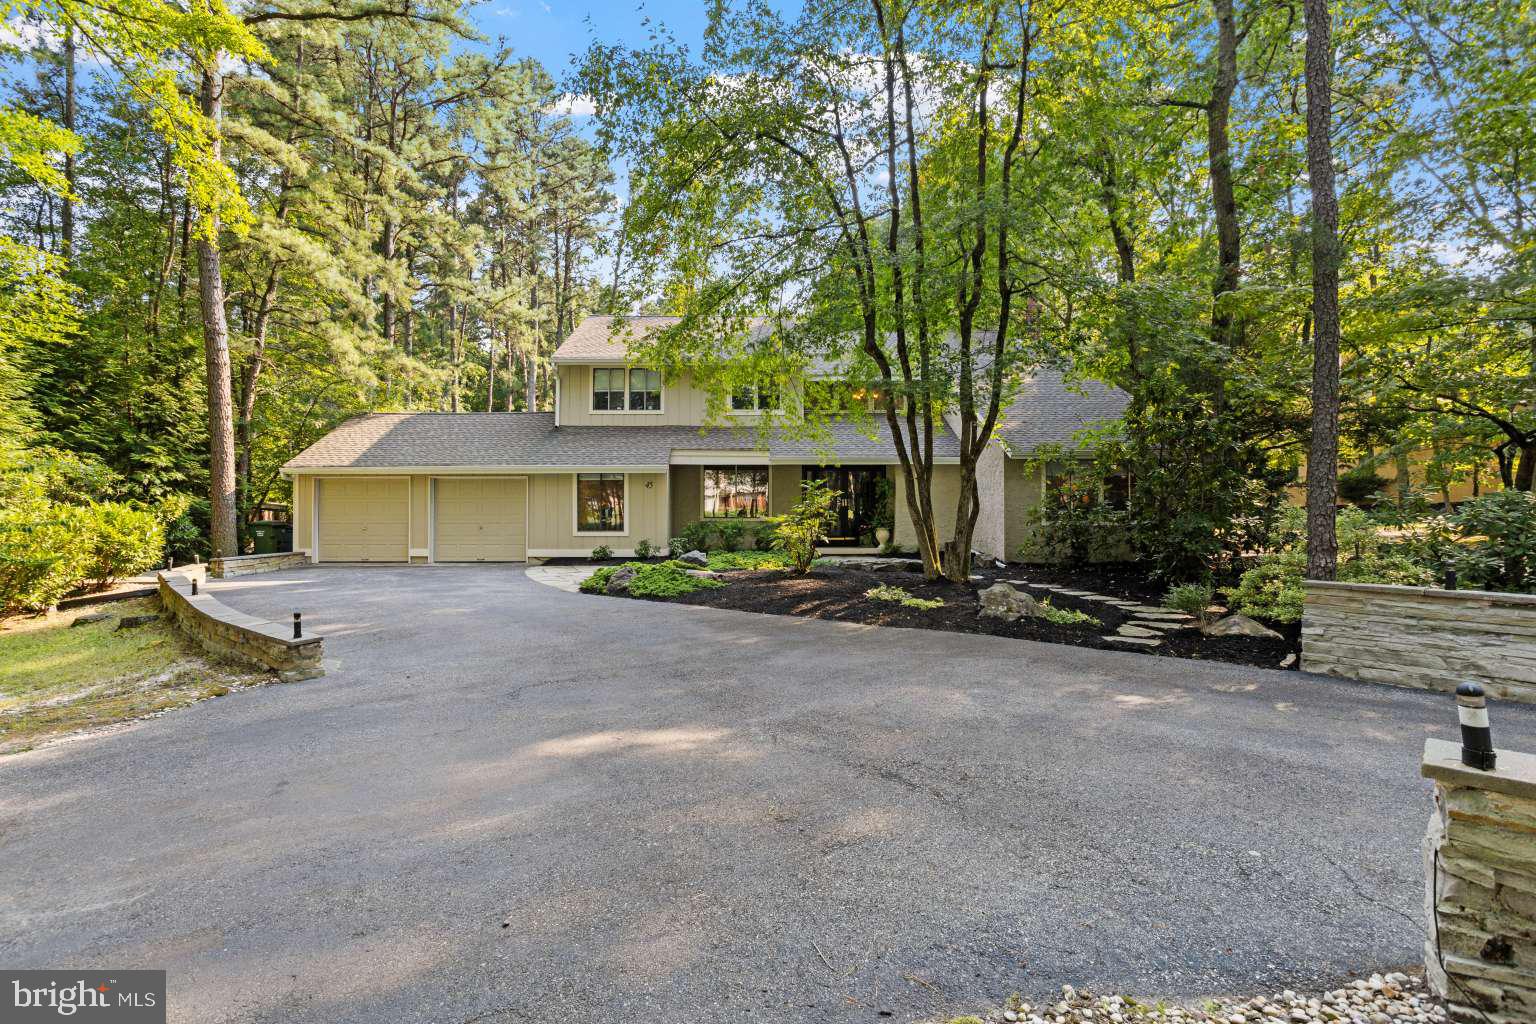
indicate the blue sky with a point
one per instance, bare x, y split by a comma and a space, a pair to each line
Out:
554, 30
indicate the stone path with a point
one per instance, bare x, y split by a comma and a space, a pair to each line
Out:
561, 577
1148, 622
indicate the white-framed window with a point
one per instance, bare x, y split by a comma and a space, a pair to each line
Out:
753, 398
644, 390
615, 389
600, 502
735, 492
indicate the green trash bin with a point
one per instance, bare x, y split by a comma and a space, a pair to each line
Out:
269, 538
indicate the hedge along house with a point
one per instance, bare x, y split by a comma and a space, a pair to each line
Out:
625, 457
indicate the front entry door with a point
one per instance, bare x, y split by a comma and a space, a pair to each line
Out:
854, 508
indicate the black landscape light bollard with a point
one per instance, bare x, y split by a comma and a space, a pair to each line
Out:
194, 586
1476, 737
298, 628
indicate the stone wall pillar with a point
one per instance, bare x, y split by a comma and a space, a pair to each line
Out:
1480, 892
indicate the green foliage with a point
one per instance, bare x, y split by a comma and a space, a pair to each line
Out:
1359, 487
601, 552
1192, 599
665, 579
724, 561
125, 539
1499, 538
1067, 616
884, 513
692, 537
1073, 527
797, 531
896, 595
642, 548
729, 532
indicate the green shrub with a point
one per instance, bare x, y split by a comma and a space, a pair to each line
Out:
1067, 616
601, 552
797, 531
693, 537
1499, 537
44, 552
1074, 527
597, 583
723, 561
1192, 599
730, 532
665, 579
642, 548
1273, 589
124, 539
1360, 486
896, 595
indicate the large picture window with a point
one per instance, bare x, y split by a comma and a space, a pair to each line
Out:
607, 390
599, 502
735, 492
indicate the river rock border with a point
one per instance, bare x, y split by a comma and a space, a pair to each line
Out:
1420, 637
222, 630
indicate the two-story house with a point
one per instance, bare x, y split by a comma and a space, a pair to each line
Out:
627, 456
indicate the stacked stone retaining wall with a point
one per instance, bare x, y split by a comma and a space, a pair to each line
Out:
247, 565
1480, 867
223, 630
1420, 637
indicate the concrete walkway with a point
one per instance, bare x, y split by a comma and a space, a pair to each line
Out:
510, 803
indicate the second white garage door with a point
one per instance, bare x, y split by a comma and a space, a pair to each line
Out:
481, 519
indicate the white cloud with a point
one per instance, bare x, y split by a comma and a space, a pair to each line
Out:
574, 106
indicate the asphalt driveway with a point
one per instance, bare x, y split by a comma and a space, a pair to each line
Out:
509, 803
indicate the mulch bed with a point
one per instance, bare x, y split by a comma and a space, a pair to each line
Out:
837, 593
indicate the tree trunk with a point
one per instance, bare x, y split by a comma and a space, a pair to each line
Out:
1525, 472
1225, 328
67, 223
221, 435
1323, 452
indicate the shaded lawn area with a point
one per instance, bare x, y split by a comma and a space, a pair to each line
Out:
56, 679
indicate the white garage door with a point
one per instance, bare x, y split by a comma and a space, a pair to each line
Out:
481, 519
364, 520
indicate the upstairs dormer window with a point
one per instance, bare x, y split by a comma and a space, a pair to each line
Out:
754, 398
615, 389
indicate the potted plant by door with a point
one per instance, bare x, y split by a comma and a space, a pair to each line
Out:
884, 512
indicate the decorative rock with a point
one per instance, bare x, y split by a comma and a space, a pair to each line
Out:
1288, 660
1135, 641
618, 583
1000, 601
135, 621
1240, 625
698, 558
86, 620
705, 574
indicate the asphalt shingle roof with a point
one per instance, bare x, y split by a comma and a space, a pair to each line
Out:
532, 441
1050, 411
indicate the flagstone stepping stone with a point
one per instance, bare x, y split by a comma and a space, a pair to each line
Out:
1135, 631
1138, 641
1152, 610
1162, 626
1077, 593
1162, 617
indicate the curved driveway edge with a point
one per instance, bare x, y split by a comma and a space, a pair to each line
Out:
508, 803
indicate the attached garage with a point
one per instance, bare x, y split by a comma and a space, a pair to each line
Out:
364, 519
480, 519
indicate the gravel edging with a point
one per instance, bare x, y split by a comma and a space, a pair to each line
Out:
1380, 999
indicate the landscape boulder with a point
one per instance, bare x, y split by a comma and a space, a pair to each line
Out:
1240, 625
86, 620
134, 621
618, 583
698, 558
1000, 601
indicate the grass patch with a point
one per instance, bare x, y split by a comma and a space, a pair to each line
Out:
1068, 616
665, 579
896, 595
56, 680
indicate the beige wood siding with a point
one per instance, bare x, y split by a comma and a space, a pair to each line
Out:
552, 515
687, 487
481, 519
364, 519
681, 403
1022, 489
421, 491
303, 513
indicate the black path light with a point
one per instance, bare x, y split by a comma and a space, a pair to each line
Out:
298, 626
1476, 737
194, 586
